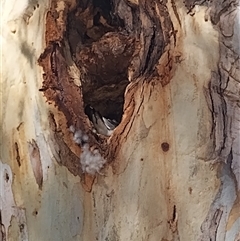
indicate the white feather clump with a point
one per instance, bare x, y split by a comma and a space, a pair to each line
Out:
78, 137
91, 161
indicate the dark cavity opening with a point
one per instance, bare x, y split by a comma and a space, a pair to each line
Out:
102, 53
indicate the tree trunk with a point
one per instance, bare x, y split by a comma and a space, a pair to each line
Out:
168, 72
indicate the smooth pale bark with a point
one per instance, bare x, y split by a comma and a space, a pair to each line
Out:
170, 178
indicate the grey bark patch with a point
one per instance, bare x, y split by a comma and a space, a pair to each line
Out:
223, 103
220, 209
224, 89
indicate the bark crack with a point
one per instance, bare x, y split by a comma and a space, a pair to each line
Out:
214, 224
176, 12
18, 159
223, 109
212, 109
134, 116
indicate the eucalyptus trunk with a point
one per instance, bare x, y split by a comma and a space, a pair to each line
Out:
168, 73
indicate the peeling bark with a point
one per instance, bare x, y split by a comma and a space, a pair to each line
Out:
36, 162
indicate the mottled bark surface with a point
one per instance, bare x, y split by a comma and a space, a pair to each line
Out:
168, 71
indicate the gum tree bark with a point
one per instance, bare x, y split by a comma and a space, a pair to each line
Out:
168, 71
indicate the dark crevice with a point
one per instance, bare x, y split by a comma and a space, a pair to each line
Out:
150, 50
212, 109
223, 110
102, 53
106, 40
18, 159
174, 215
224, 117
